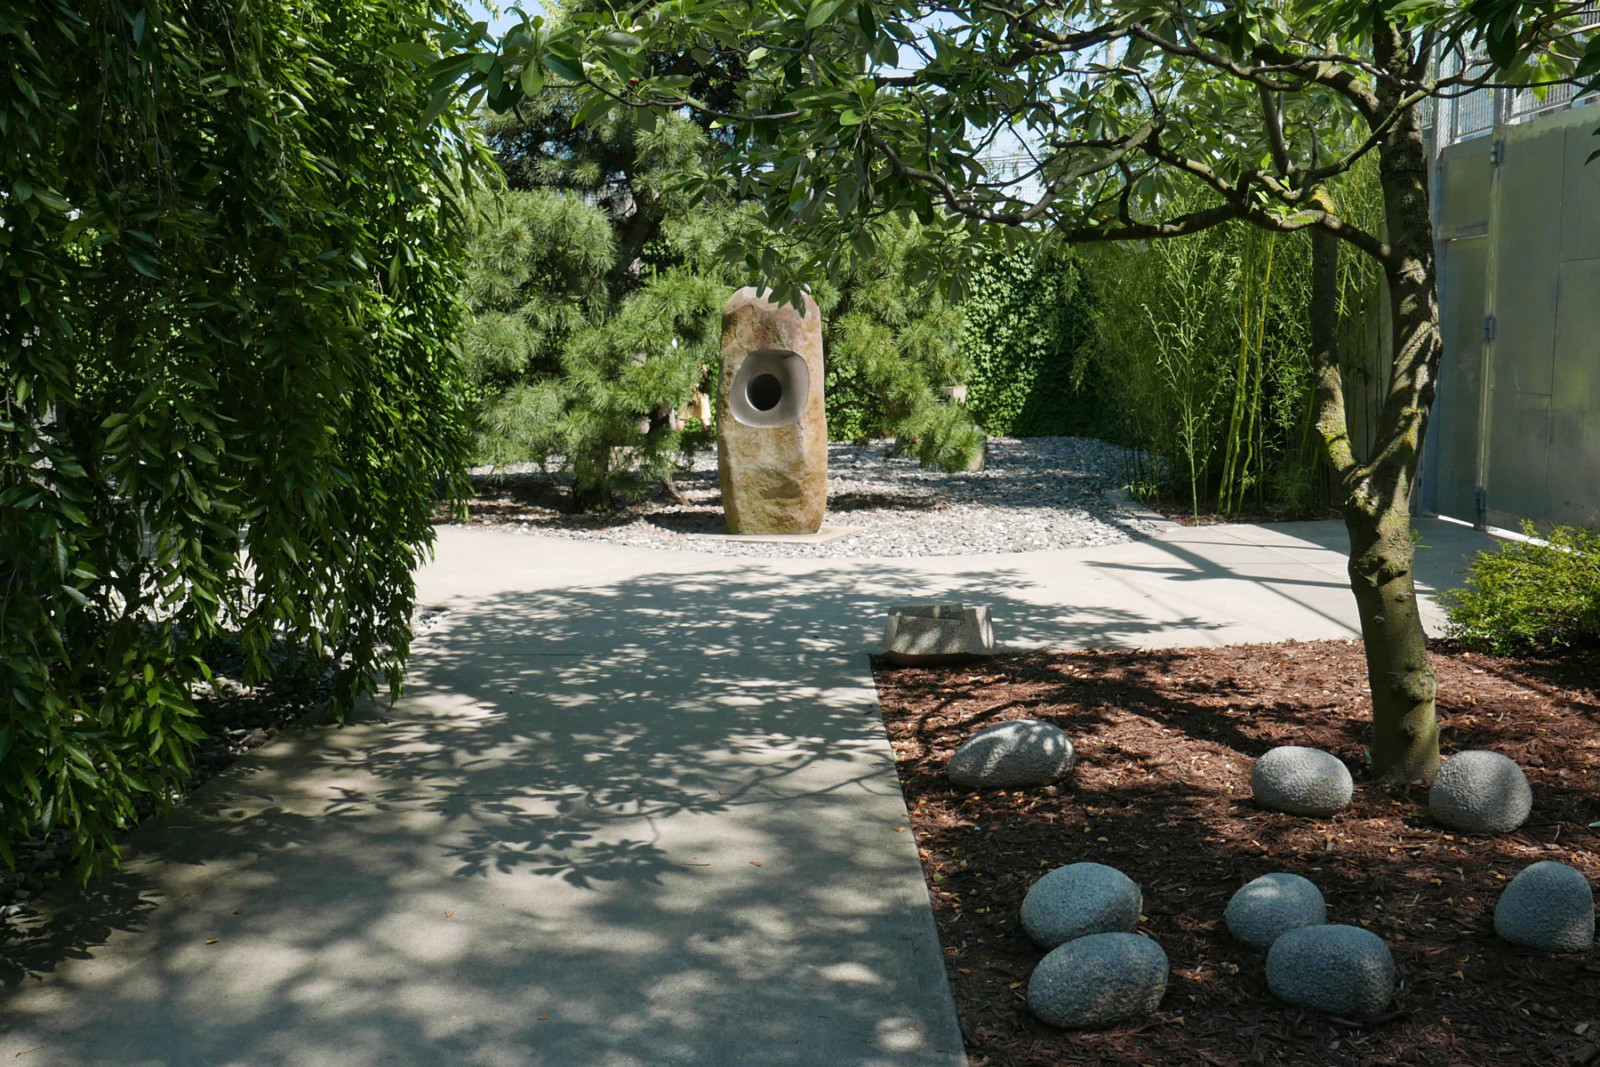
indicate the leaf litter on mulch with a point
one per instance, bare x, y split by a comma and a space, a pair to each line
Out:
1165, 742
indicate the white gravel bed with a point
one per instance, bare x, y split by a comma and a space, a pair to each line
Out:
1034, 493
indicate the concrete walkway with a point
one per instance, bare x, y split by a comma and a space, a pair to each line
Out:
636, 808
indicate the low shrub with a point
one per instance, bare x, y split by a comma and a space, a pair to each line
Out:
1528, 595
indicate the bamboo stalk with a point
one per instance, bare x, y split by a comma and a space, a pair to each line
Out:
1255, 428
1240, 385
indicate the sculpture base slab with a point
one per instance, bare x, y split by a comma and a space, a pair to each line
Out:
825, 535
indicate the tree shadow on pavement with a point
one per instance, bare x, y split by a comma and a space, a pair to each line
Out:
634, 822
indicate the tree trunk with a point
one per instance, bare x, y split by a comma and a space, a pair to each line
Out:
1405, 735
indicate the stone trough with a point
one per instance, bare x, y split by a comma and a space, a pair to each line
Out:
927, 635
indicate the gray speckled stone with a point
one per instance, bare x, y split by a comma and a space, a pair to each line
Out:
1078, 900
1099, 980
1272, 905
1342, 970
1547, 906
1036, 493
1480, 792
1301, 781
1023, 752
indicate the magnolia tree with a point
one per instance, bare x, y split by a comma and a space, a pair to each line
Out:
851, 110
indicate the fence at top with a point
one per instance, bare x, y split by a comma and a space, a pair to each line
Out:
1474, 114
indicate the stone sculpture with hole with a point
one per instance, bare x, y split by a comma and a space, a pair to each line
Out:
772, 432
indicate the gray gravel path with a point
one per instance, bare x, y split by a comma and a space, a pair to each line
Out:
1034, 494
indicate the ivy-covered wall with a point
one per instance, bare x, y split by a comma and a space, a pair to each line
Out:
1026, 318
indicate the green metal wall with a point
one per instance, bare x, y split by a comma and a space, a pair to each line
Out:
1518, 413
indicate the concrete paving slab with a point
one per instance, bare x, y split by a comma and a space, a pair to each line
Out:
477, 720
470, 930
669, 866
1191, 586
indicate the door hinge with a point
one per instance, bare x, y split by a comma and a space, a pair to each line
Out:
1497, 152
1489, 327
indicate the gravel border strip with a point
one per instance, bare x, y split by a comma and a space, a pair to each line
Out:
1034, 494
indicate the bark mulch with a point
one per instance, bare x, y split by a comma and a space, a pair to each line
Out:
1165, 742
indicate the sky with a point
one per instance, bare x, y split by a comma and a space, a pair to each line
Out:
499, 24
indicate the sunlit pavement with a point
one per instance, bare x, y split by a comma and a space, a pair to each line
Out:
636, 808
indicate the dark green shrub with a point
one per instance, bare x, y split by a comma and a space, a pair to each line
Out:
1529, 596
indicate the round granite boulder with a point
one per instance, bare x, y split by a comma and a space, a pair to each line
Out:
1301, 781
1019, 753
1272, 905
1342, 970
1480, 792
1078, 900
1099, 980
1547, 906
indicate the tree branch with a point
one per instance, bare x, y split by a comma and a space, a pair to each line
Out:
1327, 74
1178, 226
1273, 117
969, 209
1326, 221
1211, 59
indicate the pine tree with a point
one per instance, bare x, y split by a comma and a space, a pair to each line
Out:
893, 348
596, 290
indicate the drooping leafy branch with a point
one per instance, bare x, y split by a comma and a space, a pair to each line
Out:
229, 274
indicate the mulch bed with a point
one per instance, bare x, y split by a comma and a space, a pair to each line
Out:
1165, 743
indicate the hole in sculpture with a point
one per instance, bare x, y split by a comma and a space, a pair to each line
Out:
769, 389
764, 392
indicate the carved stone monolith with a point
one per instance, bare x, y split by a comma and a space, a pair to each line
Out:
772, 432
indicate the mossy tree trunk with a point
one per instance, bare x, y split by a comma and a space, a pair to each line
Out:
1376, 489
